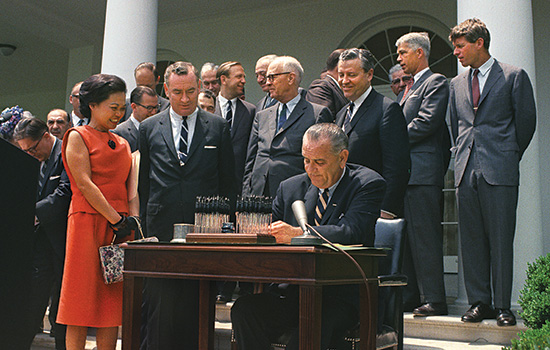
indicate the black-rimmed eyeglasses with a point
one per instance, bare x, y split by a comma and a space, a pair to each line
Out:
149, 108
271, 77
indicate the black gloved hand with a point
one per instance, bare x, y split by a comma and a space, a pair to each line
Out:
125, 226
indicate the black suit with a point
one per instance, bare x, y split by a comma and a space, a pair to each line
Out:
349, 219
328, 93
275, 156
129, 132
52, 206
378, 140
167, 195
240, 134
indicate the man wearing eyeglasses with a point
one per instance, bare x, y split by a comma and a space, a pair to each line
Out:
274, 150
77, 119
144, 103
52, 205
399, 80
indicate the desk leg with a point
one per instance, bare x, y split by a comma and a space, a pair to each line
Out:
131, 311
310, 317
207, 314
369, 316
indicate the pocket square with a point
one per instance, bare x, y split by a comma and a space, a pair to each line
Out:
54, 177
210, 147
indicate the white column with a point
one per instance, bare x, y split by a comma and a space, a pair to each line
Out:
130, 37
510, 23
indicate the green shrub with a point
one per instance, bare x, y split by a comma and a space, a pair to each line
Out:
533, 339
535, 296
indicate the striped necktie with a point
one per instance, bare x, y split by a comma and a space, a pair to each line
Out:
229, 113
321, 207
182, 152
347, 121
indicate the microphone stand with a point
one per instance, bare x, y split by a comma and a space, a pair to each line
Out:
306, 239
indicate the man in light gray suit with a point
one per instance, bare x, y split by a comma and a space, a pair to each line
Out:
424, 106
275, 145
493, 119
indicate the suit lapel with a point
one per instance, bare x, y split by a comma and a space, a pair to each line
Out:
239, 111
271, 120
494, 75
166, 131
295, 115
52, 164
310, 200
362, 111
201, 129
336, 197
416, 85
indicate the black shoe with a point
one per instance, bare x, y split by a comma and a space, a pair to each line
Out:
478, 312
505, 317
431, 309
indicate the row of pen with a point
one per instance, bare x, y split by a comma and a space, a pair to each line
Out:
252, 215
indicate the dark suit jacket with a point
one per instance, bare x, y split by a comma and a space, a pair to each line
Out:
53, 202
327, 92
167, 190
128, 131
502, 127
273, 157
425, 107
240, 134
164, 104
350, 216
378, 140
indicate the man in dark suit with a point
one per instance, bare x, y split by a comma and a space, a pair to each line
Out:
185, 152
424, 106
493, 118
326, 91
261, 71
146, 74
77, 119
144, 103
276, 138
342, 202
376, 128
239, 114
52, 206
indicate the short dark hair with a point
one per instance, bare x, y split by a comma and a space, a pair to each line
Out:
97, 89
146, 65
471, 29
224, 68
209, 94
332, 60
138, 92
331, 132
366, 57
180, 68
30, 127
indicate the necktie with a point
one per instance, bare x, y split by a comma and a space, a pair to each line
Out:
270, 102
182, 152
41, 176
229, 113
321, 207
347, 121
80, 122
282, 117
408, 88
475, 89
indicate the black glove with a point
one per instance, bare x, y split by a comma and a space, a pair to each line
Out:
125, 226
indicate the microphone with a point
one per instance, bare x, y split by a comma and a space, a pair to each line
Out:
299, 210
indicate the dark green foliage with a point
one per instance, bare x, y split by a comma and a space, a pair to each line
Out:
533, 339
535, 296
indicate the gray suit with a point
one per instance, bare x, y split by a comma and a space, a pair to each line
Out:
129, 132
489, 146
424, 107
275, 156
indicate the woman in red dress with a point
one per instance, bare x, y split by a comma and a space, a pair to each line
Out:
104, 184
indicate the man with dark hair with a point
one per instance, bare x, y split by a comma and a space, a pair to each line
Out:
343, 203
207, 101
77, 118
58, 122
398, 79
261, 71
424, 105
145, 74
52, 206
185, 152
276, 139
209, 78
376, 128
326, 91
144, 103
493, 118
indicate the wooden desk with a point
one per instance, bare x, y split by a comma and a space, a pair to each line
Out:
309, 267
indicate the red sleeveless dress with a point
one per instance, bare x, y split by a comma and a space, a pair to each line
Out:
85, 298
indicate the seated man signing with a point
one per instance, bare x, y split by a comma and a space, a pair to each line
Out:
342, 203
